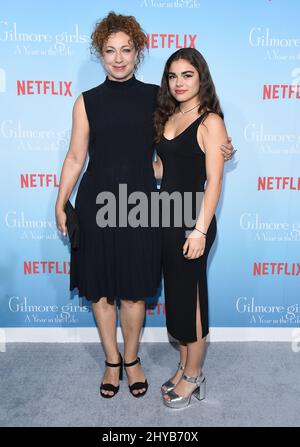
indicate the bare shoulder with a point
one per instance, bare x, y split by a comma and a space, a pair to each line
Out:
79, 103
212, 132
79, 108
212, 124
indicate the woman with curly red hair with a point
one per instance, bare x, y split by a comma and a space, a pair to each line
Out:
113, 123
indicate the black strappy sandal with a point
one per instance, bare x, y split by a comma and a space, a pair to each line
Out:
137, 385
110, 386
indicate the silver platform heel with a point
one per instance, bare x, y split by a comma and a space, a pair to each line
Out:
169, 385
178, 402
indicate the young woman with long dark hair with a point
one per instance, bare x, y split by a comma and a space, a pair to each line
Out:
190, 129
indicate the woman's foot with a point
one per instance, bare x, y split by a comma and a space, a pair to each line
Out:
196, 388
135, 374
112, 376
175, 379
183, 388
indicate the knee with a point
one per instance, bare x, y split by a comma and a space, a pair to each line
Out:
103, 303
131, 304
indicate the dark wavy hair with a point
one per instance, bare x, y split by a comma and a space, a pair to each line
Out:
166, 103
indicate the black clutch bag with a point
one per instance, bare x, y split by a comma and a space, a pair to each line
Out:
72, 225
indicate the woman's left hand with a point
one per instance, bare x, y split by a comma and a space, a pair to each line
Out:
228, 150
194, 245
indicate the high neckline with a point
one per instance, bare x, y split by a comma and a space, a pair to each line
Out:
120, 84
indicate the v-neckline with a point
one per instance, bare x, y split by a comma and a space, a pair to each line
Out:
190, 125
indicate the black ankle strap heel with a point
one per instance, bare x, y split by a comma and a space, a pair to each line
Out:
137, 385
110, 386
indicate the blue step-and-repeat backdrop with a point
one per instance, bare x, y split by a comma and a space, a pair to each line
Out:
253, 50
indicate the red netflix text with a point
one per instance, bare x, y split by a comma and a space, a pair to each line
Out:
171, 40
46, 267
270, 183
61, 88
281, 91
38, 181
276, 268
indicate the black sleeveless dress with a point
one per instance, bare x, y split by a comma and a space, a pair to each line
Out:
184, 171
119, 261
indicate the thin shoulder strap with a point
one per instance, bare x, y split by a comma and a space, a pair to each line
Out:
203, 115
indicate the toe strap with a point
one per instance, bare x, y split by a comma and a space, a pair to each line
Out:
109, 387
168, 384
172, 395
138, 385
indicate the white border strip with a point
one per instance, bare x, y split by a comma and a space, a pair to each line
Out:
150, 334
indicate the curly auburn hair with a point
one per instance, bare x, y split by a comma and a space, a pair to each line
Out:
167, 104
114, 23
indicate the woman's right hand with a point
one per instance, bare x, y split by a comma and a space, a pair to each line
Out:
61, 220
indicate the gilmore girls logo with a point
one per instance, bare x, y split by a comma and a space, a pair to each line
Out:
33, 139
27, 42
277, 47
272, 141
43, 313
28, 227
262, 313
10, 32
17, 304
264, 37
269, 230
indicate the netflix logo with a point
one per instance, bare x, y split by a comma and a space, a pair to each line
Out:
46, 267
155, 309
276, 268
269, 183
38, 180
175, 41
283, 91
54, 88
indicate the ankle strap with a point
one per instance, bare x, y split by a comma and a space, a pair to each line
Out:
196, 379
137, 360
114, 365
